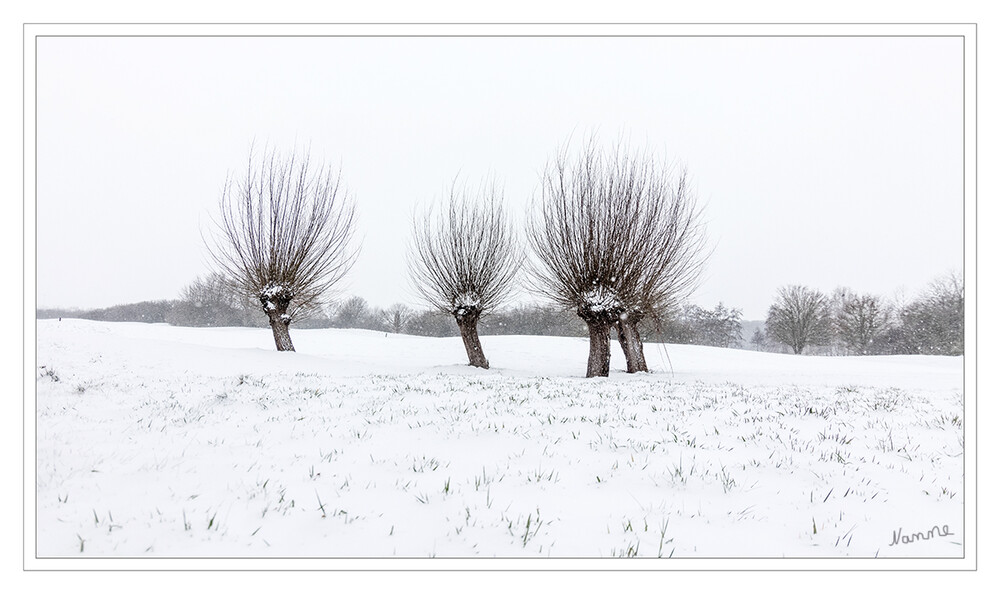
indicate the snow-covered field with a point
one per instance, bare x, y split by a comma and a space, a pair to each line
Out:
161, 441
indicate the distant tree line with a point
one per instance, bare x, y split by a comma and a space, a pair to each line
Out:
210, 302
152, 312
541, 320
840, 323
720, 327
804, 320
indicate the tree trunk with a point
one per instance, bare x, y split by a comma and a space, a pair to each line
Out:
470, 337
631, 342
279, 327
599, 362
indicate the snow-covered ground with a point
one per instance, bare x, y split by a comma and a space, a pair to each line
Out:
161, 441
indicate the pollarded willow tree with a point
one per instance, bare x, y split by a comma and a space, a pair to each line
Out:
616, 240
284, 237
675, 241
463, 260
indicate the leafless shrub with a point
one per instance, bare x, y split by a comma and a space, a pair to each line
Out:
284, 237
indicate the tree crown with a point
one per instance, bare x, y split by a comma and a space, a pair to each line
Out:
284, 232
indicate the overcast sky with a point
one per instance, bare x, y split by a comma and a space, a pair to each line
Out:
820, 161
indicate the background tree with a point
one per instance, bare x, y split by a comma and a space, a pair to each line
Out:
860, 321
211, 301
317, 319
799, 318
353, 312
534, 319
835, 304
432, 323
615, 241
464, 259
759, 339
284, 236
934, 323
397, 317
678, 328
720, 327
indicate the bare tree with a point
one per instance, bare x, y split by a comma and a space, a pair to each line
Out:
354, 312
212, 301
616, 241
934, 323
284, 237
677, 246
397, 317
215, 289
464, 258
799, 318
432, 323
860, 321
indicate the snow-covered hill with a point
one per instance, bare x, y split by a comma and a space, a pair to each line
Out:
155, 440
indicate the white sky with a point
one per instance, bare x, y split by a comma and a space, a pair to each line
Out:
821, 161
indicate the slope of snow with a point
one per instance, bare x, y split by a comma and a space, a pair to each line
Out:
155, 440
